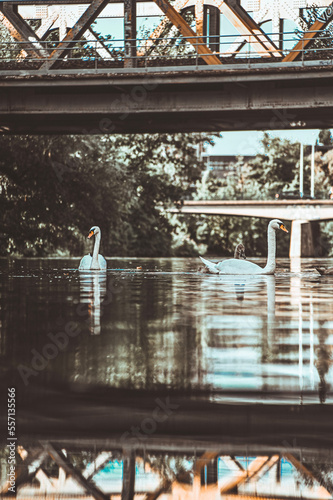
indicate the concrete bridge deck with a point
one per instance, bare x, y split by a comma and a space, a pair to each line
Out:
300, 212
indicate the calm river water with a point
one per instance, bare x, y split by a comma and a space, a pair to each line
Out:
167, 325
169, 330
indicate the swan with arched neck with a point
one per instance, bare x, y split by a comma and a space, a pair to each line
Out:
95, 261
239, 266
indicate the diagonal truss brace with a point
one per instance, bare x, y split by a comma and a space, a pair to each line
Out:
320, 23
83, 23
244, 475
180, 23
42, 30
305, 472
160, 29
248, 27
60, 459
21, 31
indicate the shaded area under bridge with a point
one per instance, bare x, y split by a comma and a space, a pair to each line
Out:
301, 213
165, 100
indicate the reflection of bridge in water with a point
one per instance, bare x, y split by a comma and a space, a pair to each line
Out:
181, 76
300, 212
170, 468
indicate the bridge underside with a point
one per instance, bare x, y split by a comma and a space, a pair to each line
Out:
50, 123
167, 102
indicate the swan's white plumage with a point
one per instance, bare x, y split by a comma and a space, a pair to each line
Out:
243, 267
239, 266
86, 261
95, 261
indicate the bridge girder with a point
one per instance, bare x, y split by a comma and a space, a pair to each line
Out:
142, 102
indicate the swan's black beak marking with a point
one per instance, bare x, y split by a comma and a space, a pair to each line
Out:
90, 234
283, 227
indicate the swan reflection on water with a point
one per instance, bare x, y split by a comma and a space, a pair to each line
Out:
242, 284
92, 292
295, 352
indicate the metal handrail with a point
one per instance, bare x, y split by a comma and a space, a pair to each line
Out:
14, 53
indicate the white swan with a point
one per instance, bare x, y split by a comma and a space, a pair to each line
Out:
96, 261
238, 254
238, 266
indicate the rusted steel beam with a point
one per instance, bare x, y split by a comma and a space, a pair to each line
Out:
21, 31
244, 23
320, 23
87, 18
42, 31
130, 33
180, 23
161, 28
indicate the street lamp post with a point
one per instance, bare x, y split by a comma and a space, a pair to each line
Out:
312, 169
301, 170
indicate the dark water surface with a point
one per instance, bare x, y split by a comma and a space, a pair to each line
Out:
230, 361
250, 338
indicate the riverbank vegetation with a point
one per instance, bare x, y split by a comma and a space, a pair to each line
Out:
53, 188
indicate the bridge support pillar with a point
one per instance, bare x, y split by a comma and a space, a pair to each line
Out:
301, 241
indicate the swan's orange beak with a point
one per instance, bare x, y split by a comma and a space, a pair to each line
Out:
90, 234
283, 227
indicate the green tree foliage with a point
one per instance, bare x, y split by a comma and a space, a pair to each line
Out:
324, 160
325, 137
54, 188
8, 51
275, 169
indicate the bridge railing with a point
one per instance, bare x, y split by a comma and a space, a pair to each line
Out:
102, 53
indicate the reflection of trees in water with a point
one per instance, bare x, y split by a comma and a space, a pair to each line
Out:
322, 472
148, 339
172, 467
323, 363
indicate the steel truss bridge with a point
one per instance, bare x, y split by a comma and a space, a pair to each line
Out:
58, 75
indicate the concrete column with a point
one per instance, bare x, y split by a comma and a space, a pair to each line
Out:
301, 240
